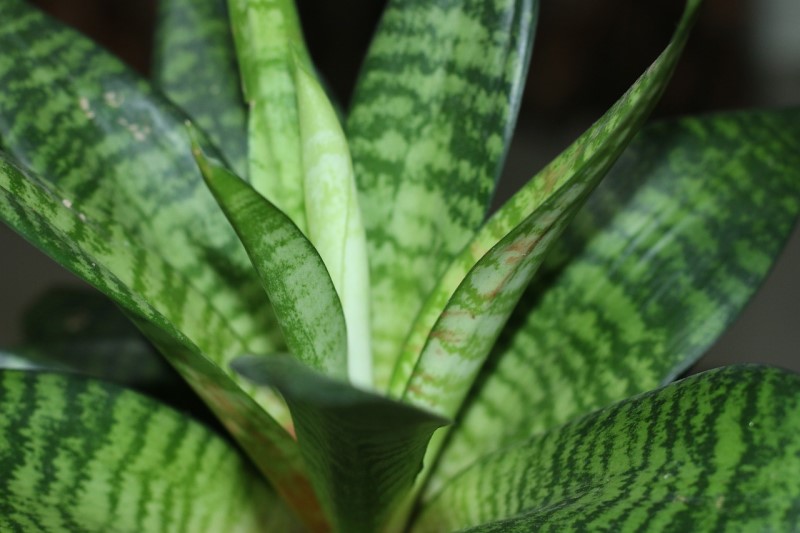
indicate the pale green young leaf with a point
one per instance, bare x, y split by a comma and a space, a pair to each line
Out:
462, 319
363, 450
431, 119
291, 270
333, 216
194, 63
661, 260
719, 451
185, 324
83, 455
267, 33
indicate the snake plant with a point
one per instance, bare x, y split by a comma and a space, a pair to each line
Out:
382, 354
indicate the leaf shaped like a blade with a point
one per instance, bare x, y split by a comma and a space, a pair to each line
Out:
333, 216
662, 259
185, 325
363, 450
719, 451
431, 120
83, 455
195, 65
460, 322
291, 270
267, 33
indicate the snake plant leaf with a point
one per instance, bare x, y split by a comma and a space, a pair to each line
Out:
363, 450
719, 451
78, 118
662, 259
471, 313
195, 66
267, 35
187, 327
84, 455
293, 273
431, 120
333, 216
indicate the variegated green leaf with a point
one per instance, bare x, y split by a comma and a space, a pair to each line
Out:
718, 451
431, 119
115, 149
183, 323
83, 455
195, 65
267, 34
465, 317
292, 271
659, 263
333, 216
363, 450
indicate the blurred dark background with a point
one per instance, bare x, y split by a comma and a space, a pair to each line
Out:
743, 53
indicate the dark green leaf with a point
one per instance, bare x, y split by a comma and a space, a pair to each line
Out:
660, 262
719, 451
432, 117
195, 65
363, 450
84, 455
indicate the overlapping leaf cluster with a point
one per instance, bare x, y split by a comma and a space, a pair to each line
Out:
385, 355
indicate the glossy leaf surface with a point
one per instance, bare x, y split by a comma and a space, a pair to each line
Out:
363, 450
431, 118
717, 451
195, 65
659, 263
83, 455
291, 270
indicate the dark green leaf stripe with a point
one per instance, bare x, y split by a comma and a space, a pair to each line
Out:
431, 119
195, 65
83, 455
363, 450
293, 273
465, 317
188, 329
82, 120
719, 451
661, 261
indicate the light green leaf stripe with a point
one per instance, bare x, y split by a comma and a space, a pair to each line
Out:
84, 455
465, 318
291, 270
662, 259
431, 120
195, 65
718, 451
267, 33
79, 118
333, 216
188, 329
363, 450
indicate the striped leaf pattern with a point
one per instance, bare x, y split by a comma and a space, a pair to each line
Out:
662, 259
716, 452
195, 66
363, 450
471, 313
267, 34
158, 299
431, 118
83, 455
292, 271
